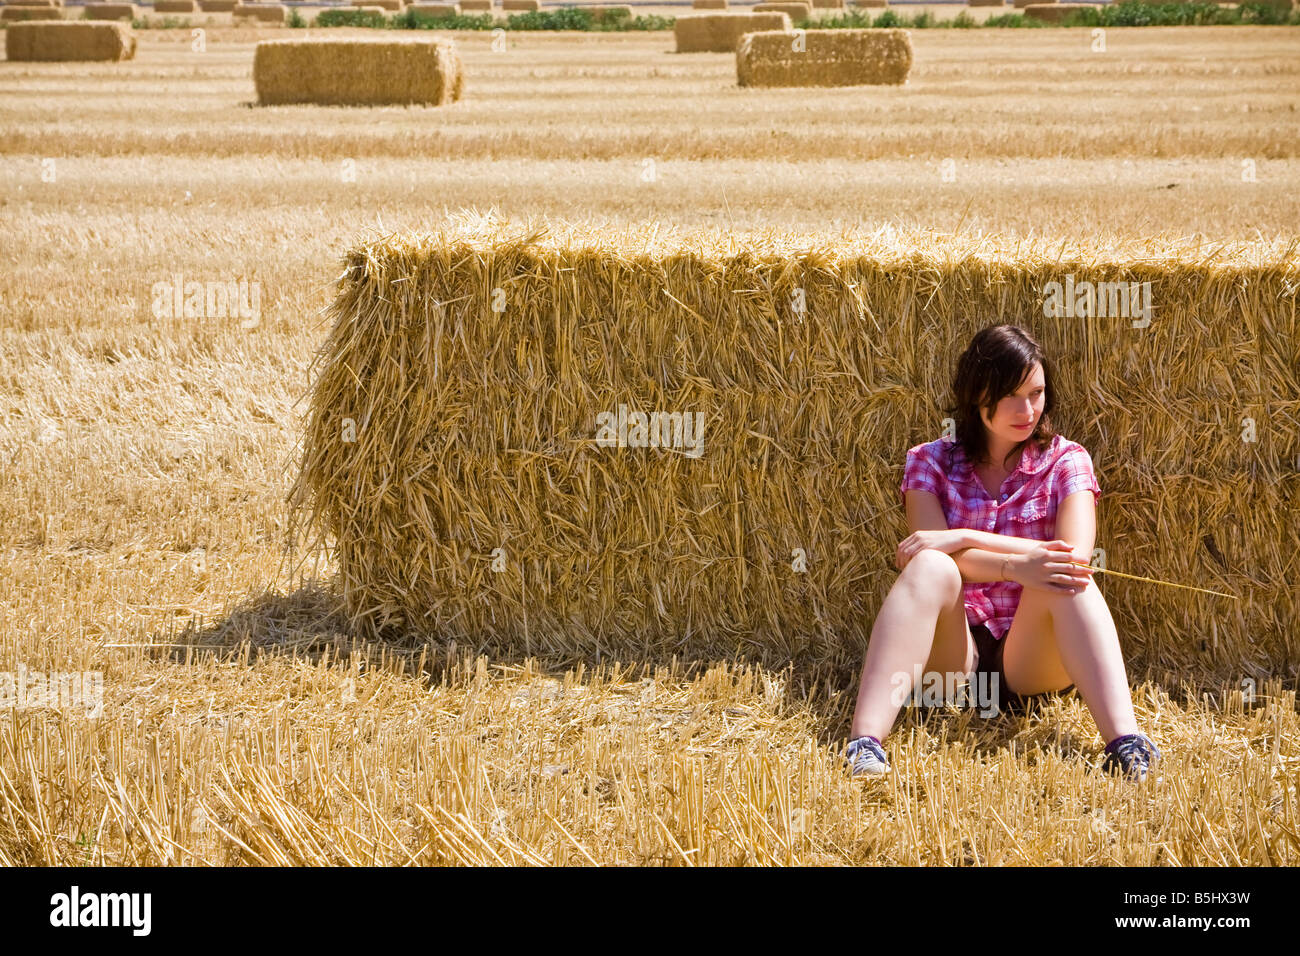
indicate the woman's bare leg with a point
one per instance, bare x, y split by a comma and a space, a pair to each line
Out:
922, 622
1063, 638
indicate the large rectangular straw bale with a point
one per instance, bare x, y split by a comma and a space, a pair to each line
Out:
359, 71
19, 12
521, 6
476, 6
720, 32
69, 41
452, 464
828, 4
436, 10
263, 12
112, 11
828, 58
795, 11
175, 6
395, 6
1056, 12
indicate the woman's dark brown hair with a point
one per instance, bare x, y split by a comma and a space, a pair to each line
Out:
994, 365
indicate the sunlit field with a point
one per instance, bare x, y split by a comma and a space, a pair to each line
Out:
147, 459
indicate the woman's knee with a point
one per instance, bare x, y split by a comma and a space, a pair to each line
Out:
934, 571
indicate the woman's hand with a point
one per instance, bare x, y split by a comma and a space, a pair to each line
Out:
1048, 568
945, 541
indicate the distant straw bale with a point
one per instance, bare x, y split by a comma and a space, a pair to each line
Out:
476, 6
497, 479
709, 4
720, 32
358, 71
69, 41
871, 3
436, 11
986, 3
521, 6
35, 3
828, 4
1021, 4
264, 12
218, 6
827, 58
175, 6
604, 11
19, 12
795, 11
112, 11
1056, 12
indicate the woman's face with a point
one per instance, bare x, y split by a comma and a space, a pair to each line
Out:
1016, 416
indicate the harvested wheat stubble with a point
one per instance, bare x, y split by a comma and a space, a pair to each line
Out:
1056, 12
720, 32
14, 13
828, 58
261, 12
175, 6
392, 5
69, 41
795, 11
436, 10
112, 11
521, 6
709, 4
358, 71
440, 430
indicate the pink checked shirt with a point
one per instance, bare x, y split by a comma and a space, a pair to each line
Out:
1025, 508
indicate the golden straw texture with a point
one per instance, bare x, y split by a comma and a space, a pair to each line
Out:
452, 462
20, 12
824, 58
262, 12
720, 32
1056, 12
69, 41
436, 10
358, 71
795, 11
112, 11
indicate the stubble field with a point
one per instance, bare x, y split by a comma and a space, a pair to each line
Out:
147, 459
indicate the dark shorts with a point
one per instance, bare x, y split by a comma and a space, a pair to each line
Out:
990, 664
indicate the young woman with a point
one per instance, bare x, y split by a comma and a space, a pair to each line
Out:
986, 583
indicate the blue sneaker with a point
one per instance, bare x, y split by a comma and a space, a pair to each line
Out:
1134, 755
865, 755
